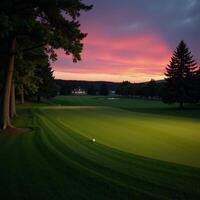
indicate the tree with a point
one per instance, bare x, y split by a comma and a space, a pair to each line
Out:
91, 90
25, 77
180, 77
46, 85
103, 89
66, 89
51, 23
125, 88
151, 88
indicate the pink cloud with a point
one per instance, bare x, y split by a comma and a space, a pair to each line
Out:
131, 56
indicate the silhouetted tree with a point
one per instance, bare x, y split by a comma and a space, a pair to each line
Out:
151, 88
103, 89
26, 67
66, 89
91, 90
46, 84
180, 77
52, 24
125, 88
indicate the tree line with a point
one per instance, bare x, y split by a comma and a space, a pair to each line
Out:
89, 87
151, 90
31, 31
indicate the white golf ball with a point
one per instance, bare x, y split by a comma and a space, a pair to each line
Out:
93, 140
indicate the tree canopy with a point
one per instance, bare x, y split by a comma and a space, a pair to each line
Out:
181, 86
28, 25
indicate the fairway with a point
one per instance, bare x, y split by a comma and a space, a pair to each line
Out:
138, 153
171, 139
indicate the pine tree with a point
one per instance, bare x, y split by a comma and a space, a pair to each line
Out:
180, 77
46, 84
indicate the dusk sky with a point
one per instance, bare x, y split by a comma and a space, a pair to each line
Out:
132, 39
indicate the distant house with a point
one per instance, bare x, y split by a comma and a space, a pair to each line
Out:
79, 91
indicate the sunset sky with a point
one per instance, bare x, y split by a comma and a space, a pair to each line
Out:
131, 39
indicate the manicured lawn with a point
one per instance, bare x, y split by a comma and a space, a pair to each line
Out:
136, 105
147, 128
128, 161
171, 139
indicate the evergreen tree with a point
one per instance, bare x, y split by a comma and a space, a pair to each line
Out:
180, 77
46, 85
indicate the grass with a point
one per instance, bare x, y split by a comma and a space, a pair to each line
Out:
135, 105
128, 161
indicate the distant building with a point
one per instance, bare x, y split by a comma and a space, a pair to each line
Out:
79, 91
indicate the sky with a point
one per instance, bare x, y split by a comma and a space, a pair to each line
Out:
131, 40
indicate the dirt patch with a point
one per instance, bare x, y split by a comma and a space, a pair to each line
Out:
16, 131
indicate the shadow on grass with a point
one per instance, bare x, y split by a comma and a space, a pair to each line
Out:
190, 111
16, 131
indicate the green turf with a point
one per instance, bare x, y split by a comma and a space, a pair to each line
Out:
58, 161
151, 129
171, 139
136, 105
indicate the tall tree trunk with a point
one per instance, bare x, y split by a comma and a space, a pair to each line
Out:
22, 94
12, 101
5, 99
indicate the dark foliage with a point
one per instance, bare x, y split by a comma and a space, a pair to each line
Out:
66, 89
152, 89
103, 89
46, 85
28, 25
125, 88
91, 90
181, 86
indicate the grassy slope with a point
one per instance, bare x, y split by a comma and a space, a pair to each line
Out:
152, 129
141, 106
171, 139
56, 162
